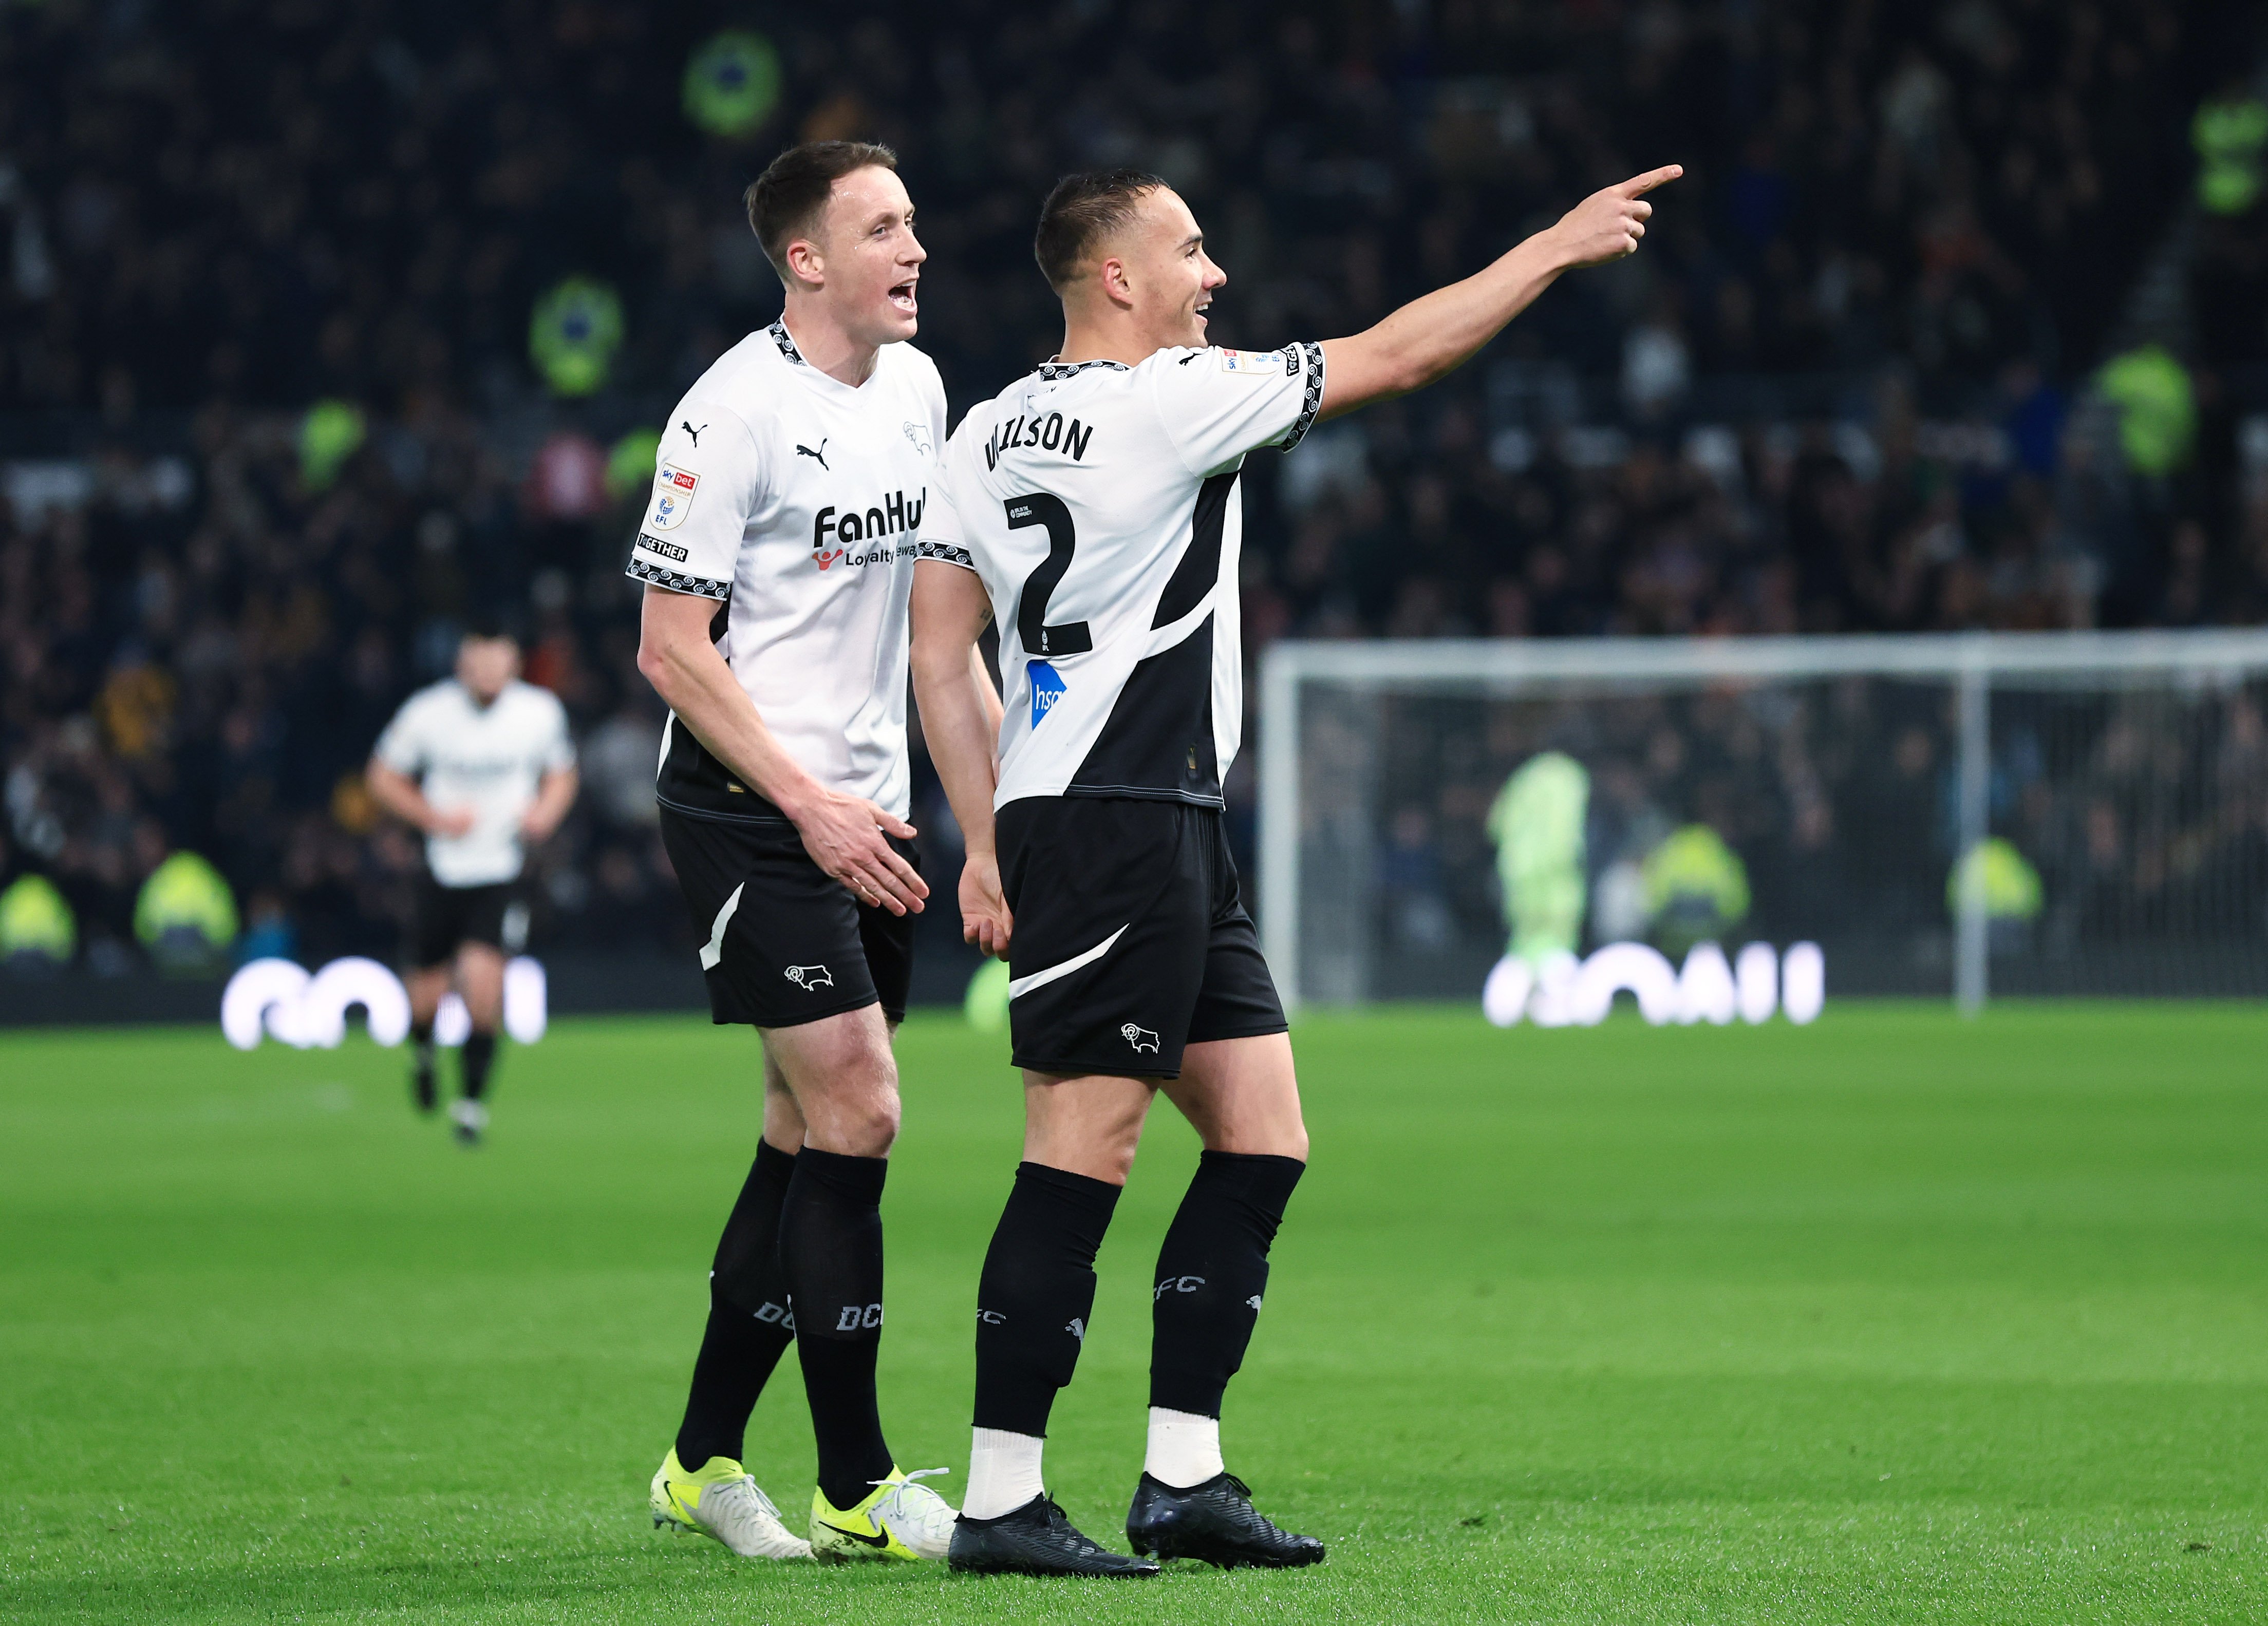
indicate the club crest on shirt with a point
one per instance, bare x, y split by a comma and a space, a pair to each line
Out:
919, 436
673, 496
1251, 363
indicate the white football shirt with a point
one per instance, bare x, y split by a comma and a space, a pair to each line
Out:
1098, 503
490, 759
795, 501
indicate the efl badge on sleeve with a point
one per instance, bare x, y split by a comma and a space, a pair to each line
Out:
1252, 364
673, 494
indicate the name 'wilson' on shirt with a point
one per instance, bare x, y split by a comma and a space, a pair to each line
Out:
1050, 434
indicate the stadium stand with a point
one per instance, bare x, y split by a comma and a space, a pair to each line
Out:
325, 323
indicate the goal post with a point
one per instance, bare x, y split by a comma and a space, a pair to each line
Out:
2044, 813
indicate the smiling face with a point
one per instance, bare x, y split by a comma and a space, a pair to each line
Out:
861, 260
1156, 266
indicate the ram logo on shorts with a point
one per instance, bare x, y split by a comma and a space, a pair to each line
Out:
810, 978
1140, 1038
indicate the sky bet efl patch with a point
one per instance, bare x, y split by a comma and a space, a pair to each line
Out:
1252, 364
673, 494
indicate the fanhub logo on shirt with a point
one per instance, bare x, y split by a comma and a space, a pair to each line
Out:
1047, 688
836, 533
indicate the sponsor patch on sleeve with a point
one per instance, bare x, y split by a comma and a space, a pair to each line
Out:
1251, 363
672, 496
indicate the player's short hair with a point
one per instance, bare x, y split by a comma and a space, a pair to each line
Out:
494, 623
786, 201
1082, 209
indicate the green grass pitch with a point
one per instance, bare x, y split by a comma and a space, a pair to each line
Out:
1890, 1319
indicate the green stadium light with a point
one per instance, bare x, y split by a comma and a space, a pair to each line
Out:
733, 83
630, 462
332, 432
573, 334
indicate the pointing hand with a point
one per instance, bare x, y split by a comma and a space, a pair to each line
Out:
1607, 225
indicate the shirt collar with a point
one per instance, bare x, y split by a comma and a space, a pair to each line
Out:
1054, 370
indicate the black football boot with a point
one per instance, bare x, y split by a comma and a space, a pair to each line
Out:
1034, 1539
1215, 1521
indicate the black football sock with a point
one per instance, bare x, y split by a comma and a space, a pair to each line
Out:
1212, 1274
1035, 1294
421, 1034
479, 1056
831, 1253
749, 1327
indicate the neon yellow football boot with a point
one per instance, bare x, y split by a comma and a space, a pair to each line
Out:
901, 1519
723, 1501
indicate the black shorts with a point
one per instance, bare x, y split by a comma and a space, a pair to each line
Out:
1131, 939
784, 943
449, 917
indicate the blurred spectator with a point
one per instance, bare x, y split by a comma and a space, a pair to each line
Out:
325, 326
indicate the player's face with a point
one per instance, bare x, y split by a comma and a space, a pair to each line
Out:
484, 665
1168, 274
870, 260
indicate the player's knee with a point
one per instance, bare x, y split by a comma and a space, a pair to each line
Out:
878, 1123
1115, 1159
866, 1124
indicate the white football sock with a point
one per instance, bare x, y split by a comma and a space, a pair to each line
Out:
1003, 1472
1185, 1448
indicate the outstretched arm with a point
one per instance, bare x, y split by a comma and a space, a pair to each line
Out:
1428, 338
961, 720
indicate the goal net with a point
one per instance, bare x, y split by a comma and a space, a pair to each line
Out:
2081, 813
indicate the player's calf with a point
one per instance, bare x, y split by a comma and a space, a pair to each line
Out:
1212, 1280
1032, 1302
830, 1251
1212, 1274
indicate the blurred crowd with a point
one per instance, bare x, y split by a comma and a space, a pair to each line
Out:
290, 285
2131, 853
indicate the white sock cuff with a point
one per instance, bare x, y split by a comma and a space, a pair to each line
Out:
1003, 1472
1185, 1448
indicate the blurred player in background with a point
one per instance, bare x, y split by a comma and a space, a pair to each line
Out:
1093, 514
777, 556
481, 763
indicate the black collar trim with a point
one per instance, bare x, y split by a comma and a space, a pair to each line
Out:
778, 331
1051, 371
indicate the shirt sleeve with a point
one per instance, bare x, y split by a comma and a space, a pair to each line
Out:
709, 478
1219, 404
402, 746
942, 537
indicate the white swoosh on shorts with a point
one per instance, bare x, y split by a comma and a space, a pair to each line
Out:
1024, 985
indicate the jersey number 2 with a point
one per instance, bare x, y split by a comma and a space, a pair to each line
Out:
1069, 638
